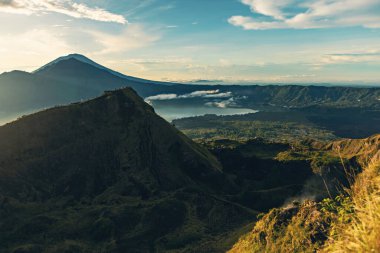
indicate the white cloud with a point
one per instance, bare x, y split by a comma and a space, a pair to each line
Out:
195, 94
222, 104
367, 57
162, 97
218, 99
308, 14
152, 64
33, 48
267, 7
249, 23
25, 48
133, 37
159, 61
201, 93
67, 7
219, 95
344, 58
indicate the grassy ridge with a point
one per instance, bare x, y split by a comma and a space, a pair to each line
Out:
348, 223
290, 229
362, 233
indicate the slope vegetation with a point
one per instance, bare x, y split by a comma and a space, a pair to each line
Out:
109, 175
348, 223
360, 232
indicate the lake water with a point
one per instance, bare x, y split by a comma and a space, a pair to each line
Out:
171, 112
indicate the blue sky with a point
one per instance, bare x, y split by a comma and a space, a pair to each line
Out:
243, 41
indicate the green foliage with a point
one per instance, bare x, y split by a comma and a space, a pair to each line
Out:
342, 210
260, 216
307, 228
244, 130
109, 175
341, 205
357, 227
286, 125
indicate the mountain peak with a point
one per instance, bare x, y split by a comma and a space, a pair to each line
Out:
77, 57
86, 60
117, 121
15, 73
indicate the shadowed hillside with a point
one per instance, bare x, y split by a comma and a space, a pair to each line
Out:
110, 175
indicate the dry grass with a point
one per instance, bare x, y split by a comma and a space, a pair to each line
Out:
286, 230
362, 234
304, 229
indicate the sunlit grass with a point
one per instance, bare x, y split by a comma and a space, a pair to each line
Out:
362, 234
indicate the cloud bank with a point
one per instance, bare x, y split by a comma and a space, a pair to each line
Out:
195, 94
133, 36
214, 98
67, 7
307, 14
222, 104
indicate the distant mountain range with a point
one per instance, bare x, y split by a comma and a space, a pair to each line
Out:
65, 80
88, 61
75, 78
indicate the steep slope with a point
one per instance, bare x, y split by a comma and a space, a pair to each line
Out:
348, 223
364, 150
109, 175
359, 230
103, 121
